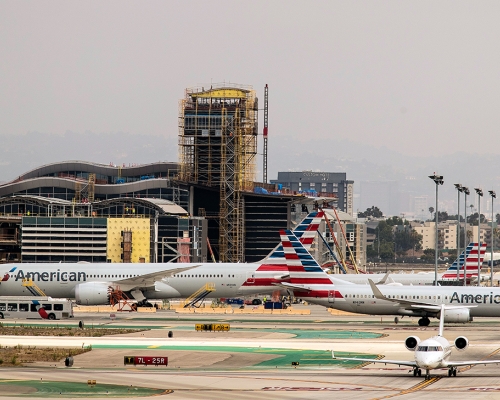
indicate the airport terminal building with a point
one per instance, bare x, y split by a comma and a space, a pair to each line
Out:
77, 211
80, 211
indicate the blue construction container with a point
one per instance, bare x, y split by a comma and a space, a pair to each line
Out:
273, 305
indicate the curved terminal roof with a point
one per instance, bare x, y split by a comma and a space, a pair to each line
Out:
165, 168
67, 183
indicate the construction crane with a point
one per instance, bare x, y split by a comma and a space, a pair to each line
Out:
347, 244
264, 132
337, 246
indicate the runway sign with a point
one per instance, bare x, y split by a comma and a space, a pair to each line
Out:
146, 360
213, 327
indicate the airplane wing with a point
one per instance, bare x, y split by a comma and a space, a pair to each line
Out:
292, 286
466, 363
147, 280
339, 281
414, 304
376, 360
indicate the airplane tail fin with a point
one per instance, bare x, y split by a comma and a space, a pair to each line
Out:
441, 321
305, 231
302, 266
469, 258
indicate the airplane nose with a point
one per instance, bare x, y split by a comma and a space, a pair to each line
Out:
428, 362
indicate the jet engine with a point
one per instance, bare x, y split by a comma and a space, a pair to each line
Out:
457, 315
461, 343
412, 342
92, 293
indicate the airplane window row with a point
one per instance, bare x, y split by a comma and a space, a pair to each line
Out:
398, 297
202, 276
430, 348
175, 276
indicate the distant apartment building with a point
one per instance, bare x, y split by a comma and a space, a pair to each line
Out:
335, 183
447, 234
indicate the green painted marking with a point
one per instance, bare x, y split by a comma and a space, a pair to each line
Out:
284, 356
50, 389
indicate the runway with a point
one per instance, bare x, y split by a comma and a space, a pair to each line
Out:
253, 360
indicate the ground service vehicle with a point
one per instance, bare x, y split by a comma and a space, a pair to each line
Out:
29, 307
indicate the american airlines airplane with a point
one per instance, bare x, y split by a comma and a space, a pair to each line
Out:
430, 354
309, 282
90, 284
468, 258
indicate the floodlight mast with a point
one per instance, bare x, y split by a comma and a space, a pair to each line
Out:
466, 193
493, 196
438, 180
479, 195
458, 186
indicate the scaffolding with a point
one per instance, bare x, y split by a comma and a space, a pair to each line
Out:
218, 148
86, 192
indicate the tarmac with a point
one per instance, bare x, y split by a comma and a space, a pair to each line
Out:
253, 359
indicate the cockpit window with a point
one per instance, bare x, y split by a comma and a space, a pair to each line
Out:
430, 348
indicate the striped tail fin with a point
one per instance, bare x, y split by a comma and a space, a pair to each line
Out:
305, 232
302, 266
469, 257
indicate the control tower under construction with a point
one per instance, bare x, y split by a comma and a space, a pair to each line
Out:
218, 148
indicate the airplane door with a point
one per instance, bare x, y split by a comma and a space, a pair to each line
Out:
331, 296
251, 277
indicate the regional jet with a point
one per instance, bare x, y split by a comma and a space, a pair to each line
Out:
432, 353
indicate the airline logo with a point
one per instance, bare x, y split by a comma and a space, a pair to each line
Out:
467, 298
275, 263
54, 276
41, 311
469, 258
6, 277
302, 266
305, 232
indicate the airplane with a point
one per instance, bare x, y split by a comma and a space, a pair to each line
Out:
309, 282
91, 284
468, 256
432, 353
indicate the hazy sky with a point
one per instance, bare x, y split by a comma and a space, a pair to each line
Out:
414, 76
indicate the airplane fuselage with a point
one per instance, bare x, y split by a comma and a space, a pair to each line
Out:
360, 298
60, 280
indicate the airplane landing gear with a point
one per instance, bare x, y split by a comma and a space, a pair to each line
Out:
427, 375
417, 371
424, 321
452, 371
396, 320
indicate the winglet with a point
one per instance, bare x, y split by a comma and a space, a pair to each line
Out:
333, 355
384, 279
376, 292
441, 320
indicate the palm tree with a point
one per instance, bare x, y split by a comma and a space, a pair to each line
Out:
431, 210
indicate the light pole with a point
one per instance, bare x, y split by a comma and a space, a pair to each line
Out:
458, 186
493, 196
438, 180
479, 195
466, 193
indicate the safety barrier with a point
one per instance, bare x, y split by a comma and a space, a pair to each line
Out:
246, 310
